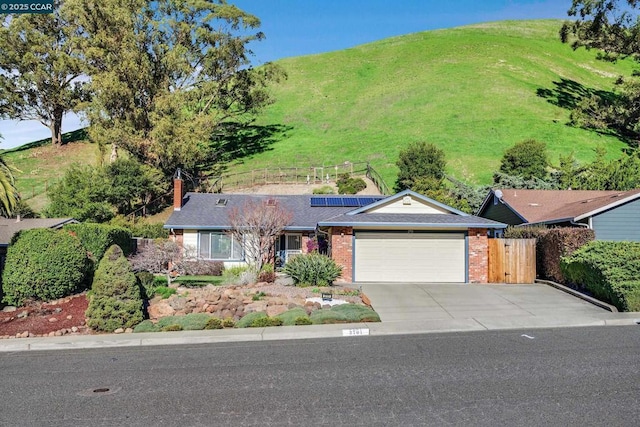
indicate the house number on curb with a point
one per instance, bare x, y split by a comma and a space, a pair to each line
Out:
354, 332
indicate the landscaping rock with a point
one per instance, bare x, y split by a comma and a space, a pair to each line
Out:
9, 309
119, 331
160, 309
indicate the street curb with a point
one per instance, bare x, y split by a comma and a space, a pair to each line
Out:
580, 295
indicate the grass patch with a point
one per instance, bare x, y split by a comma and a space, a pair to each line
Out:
197, 281
164, 291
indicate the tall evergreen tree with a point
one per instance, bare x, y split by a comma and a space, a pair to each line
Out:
612, 27
166, 74
39, 69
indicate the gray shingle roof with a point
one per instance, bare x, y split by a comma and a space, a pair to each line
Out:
412, 220
201, 211
9, 226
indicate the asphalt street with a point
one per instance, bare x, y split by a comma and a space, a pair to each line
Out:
567, 376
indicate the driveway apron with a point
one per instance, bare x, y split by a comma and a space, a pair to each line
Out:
410, 302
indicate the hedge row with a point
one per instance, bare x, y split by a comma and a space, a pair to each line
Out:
609, 270
551, 245
44, 264
97, 238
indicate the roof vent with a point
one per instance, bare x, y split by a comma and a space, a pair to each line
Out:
221, 202
406, 200
271, 202
534, 204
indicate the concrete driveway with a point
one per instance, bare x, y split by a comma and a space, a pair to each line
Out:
492, 306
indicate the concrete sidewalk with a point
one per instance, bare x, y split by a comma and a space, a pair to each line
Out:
427, 309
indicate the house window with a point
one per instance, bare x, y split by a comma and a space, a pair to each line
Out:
219, 246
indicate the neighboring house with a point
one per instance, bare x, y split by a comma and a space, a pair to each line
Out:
10, 226
613, 215
402, 238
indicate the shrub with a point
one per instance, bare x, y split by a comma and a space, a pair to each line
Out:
146, 326
525, 232
160, 281
325, 189
171, 328
527, 159
115, 301
228, 322
356, 313
556, 243
248, 319
146, 283
258, 296
188, 322
609, 270
267, 273
313, 269
201, 268
44, 264
420, 161
97, 238
348, 185
303, 320
263, 322
231, 275
290, 316
214, 323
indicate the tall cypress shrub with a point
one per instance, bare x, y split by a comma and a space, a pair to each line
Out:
116, 301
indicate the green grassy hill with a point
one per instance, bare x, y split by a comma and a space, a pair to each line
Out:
473, 91
40, 164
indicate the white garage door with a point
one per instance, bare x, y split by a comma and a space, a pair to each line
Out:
410, 257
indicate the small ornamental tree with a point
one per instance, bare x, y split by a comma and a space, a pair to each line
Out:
116, 301
44, 264
160, 256
257, 225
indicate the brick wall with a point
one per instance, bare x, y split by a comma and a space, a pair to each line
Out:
478, 255
342, 251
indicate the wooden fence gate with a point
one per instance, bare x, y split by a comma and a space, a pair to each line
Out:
512, 260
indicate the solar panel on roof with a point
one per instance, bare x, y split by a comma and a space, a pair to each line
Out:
334, 201
364, 201
350, 202
318, 202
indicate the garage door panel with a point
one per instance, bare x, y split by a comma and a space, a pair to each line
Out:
410, 257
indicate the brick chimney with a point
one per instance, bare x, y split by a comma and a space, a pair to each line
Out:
178, 192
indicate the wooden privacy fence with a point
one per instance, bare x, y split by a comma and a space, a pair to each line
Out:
512, 260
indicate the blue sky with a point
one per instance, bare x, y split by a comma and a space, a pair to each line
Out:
304, 27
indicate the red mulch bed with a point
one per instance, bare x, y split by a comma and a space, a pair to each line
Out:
67, 312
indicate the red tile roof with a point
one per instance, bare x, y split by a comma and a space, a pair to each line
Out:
555, 205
